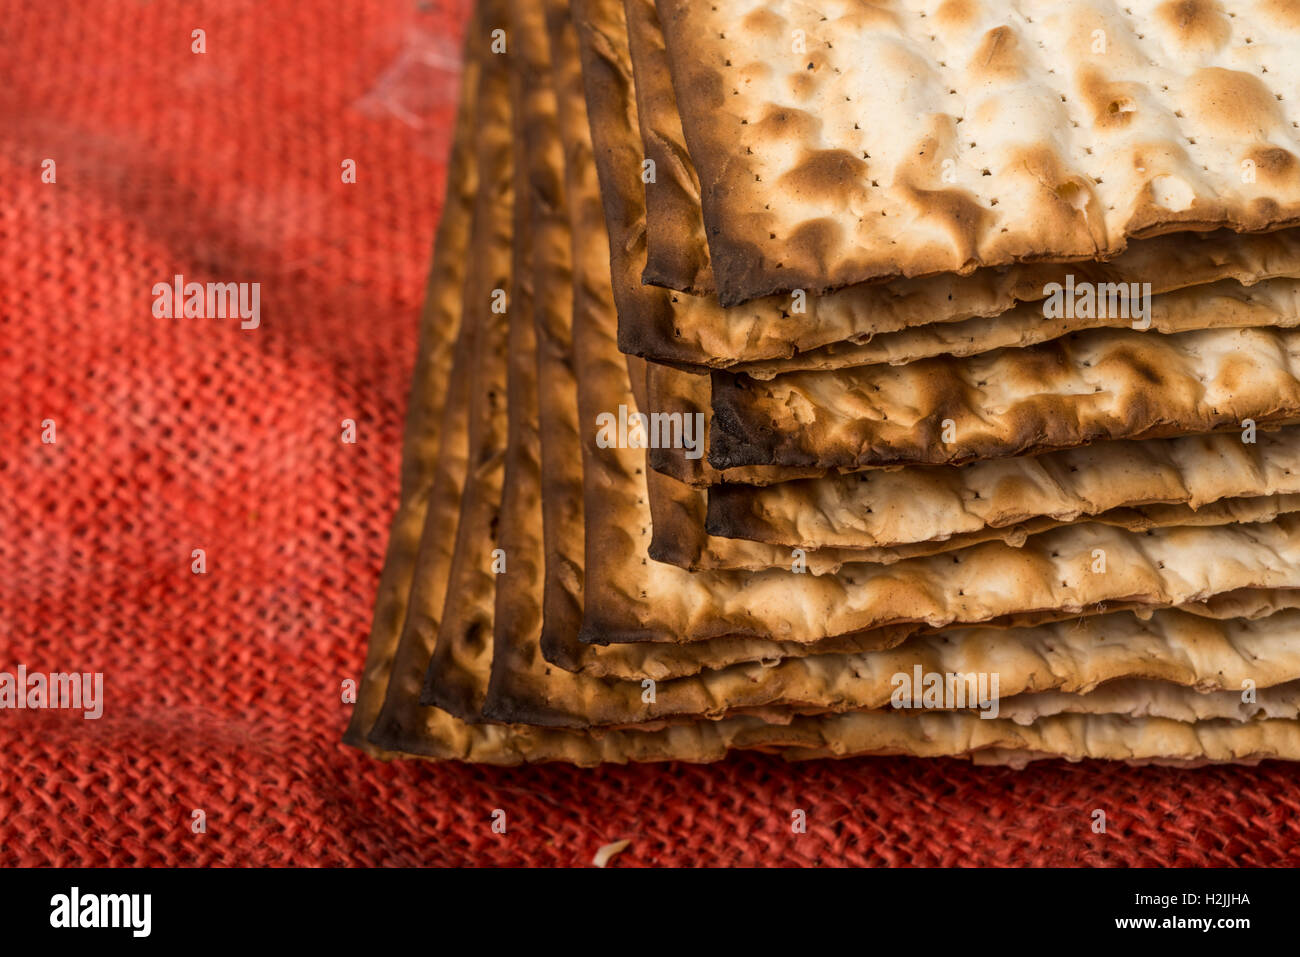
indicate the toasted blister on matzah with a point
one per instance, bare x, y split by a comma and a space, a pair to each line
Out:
889, 507
1103, 384
846, 142
682, 397
857, 325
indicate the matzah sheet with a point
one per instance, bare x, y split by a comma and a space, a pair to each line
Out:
845, 142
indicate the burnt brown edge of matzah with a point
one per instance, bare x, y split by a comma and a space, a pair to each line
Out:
646, 327
679, 259
676, 524
424, 416
445, 685
735, 440
729, 514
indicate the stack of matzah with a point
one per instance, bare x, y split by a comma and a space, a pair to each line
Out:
915, 476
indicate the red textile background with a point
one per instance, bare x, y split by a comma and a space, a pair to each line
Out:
222, 690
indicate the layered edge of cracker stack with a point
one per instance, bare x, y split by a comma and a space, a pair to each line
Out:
658, 506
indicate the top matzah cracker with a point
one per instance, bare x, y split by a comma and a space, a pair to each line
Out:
848, 142
676, 251
853, 326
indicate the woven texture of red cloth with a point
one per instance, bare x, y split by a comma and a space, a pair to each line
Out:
222, 690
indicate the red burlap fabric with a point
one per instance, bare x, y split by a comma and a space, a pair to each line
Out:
172, 434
